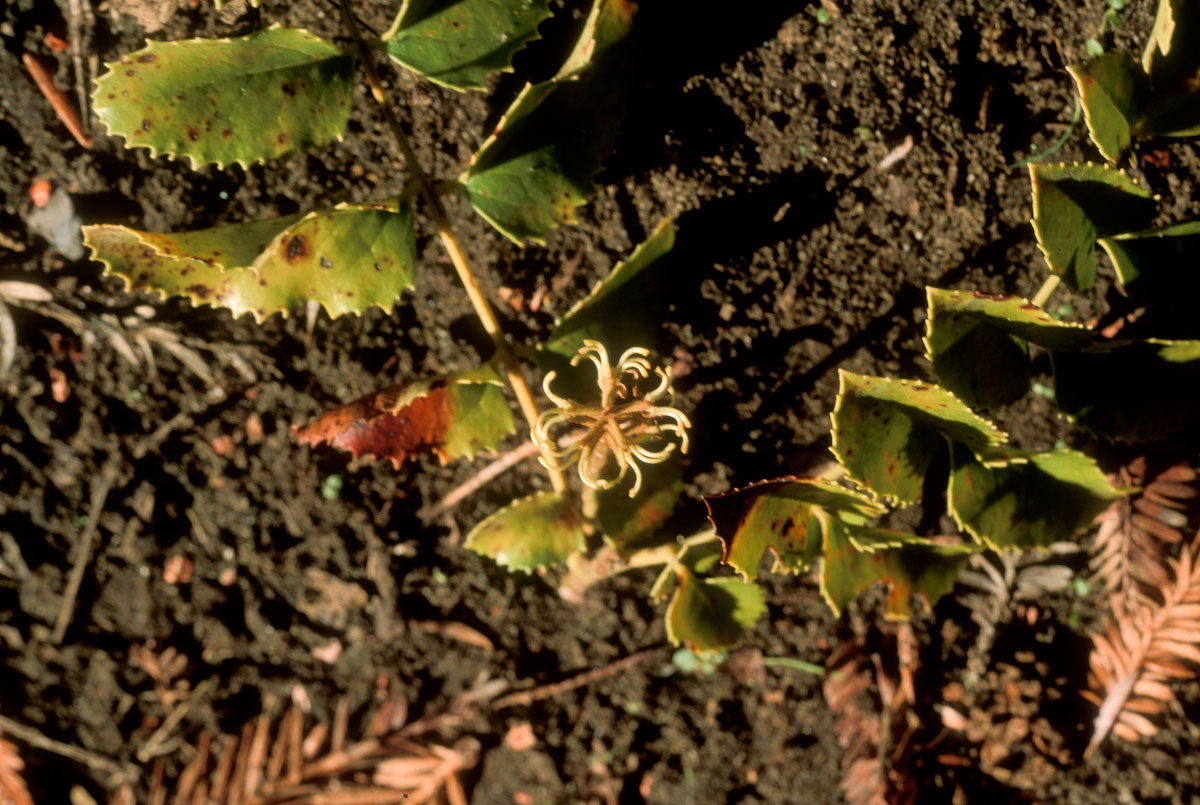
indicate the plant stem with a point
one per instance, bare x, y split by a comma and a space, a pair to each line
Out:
1048, 287
445, 230
789, 662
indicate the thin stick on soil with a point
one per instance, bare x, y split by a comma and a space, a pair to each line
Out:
83, 550
470, 486
481, 478
527, 697
441, 222
90, 759
65, 110
75, 40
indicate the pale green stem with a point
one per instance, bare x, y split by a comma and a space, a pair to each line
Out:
1048, 288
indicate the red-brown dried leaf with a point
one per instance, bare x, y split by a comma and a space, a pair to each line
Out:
369, 426
12, 786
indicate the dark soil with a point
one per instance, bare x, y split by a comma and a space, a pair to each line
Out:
760, 128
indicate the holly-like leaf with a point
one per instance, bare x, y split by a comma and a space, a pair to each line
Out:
854, 558
710, 614
229, 100
1073, 205
458, 43
887, 432
454, 416
628, 523
1112, 89
979, 343
347, 258
1030, 500
1129, 390
1158, 267
781, 516
531, 533
623, 309
537, 167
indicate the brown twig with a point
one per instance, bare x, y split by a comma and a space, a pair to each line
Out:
83, 549
526, 697
90, 759
75, 40
496, 468
470, 486
65, 110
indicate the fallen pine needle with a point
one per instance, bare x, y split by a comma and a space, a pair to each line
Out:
65, 110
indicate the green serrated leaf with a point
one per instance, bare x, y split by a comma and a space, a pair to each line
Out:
530, 533
1025, 499
712, 614
623, 310
1160, 267
458, 43
780, 516
1112, 89
854, 558
887, 432
1129, 390
481, 416
537, 167
1073, 205
347, 258
229, 100
979, 343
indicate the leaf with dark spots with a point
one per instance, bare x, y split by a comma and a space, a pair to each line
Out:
458, 43
854, 558
979, 343
711, 614
781, 516
1023, 499
231, 267
1073, 205
886, 433
531, 533
238, 82
452, 417
295, 248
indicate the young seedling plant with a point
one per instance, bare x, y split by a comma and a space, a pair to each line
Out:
280, 90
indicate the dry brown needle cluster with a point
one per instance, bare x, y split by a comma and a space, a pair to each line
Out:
1152, 635
875, 732
1138, 533
285, 762
1145, 646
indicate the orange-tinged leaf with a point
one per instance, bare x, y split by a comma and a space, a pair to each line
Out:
452, 416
